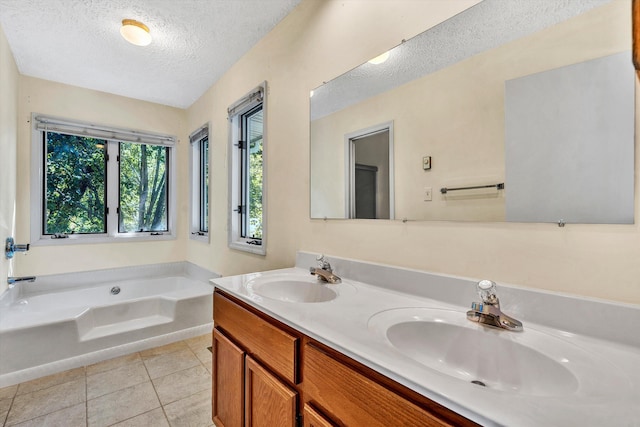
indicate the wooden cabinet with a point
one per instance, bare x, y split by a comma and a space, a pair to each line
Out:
252, 360
268, 402
313, 418
228, 382
268, 374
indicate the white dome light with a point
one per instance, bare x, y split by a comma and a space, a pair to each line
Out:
379, 59
135, 32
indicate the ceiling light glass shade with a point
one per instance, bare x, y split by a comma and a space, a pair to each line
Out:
135, 32
379, 59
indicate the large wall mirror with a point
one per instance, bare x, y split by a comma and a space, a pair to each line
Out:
512, 110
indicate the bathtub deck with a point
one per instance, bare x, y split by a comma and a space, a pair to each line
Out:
162, 386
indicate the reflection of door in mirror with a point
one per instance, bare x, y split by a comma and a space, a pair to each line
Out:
370, 171
365, 188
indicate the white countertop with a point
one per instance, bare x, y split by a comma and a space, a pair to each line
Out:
607, 393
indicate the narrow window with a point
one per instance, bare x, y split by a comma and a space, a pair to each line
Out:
247, 164
251, 166
200, 183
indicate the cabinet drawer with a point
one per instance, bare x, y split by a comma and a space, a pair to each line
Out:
357, 400
274, 347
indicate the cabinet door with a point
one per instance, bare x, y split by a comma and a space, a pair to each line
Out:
313, 418
228, 382
268, 401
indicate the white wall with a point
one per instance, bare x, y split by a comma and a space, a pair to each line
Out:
319, 41
72, 102
8, 138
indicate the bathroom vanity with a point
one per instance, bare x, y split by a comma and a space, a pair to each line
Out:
276, 373
291, 351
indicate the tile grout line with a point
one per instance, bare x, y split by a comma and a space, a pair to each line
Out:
156, 392
86, 398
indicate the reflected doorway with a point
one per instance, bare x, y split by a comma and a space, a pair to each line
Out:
370, 163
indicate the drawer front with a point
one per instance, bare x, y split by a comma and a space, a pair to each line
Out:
355, 399
274, 347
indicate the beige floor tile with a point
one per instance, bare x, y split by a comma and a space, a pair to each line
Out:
116, 379
202, 341
8, 392
110, 364
5, 404
194, 410
51, 380
121, 405
204, 355
74, 416
32, 405
182, 384
153, 418
165, 364
169, 348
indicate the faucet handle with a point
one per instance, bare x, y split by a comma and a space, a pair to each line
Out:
323, 263
487, 291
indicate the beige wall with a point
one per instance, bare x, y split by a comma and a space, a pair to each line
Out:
317, 42
8, 140
55, 99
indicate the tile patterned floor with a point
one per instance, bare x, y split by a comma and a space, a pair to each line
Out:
160, 387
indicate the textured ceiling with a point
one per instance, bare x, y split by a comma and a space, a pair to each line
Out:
484, 26
195, 42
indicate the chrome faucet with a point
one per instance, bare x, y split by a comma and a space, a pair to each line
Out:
324, 271
488, 311
14, 280
10, 248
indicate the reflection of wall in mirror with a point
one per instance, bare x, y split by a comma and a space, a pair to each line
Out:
456, 115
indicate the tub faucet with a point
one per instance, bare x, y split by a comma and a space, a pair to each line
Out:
14, 280
324, 271
488, 311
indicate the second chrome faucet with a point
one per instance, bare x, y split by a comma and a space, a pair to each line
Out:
488, 311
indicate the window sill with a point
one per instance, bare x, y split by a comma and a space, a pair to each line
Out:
79, 240
199, 238
242, 245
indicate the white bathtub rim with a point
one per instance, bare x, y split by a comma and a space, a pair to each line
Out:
91, 358
75, 312
83, 279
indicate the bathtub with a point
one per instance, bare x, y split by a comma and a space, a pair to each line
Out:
48, 327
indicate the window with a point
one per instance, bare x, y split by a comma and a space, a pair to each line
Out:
247, 164
200, 184
98, 183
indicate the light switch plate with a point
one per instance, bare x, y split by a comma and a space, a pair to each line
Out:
428, 194
426, 162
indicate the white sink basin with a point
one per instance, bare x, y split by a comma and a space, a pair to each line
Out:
295, 288
528, 363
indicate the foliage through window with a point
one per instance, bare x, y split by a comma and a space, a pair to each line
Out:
75, 169
143, 188
96, 186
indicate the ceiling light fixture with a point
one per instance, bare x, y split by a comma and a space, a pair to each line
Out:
379, 59
135, 32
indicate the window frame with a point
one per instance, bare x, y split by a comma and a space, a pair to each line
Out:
40, 124
237, 191
196, 204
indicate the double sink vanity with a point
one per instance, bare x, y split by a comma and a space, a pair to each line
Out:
388, 346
